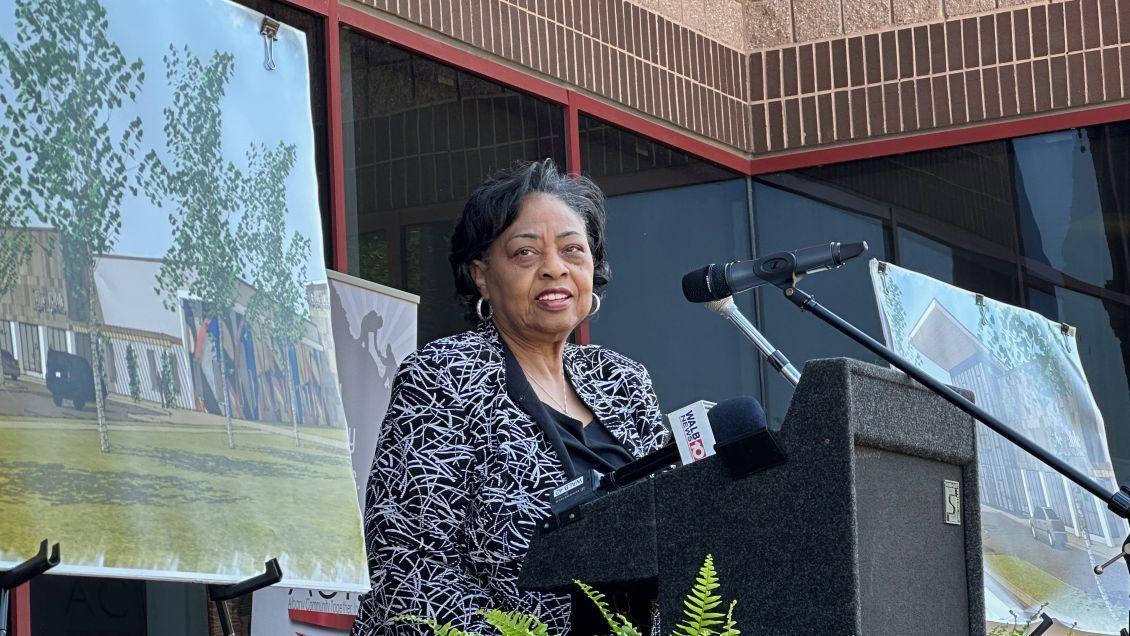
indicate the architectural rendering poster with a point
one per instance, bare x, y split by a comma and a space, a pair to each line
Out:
1042, 535
374, 329
169, 406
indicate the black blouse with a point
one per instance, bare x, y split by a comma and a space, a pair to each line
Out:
589, 446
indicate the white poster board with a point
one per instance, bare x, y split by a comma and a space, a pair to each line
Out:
169, 409
1042, 535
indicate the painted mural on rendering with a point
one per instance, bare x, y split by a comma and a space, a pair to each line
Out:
1042, 535
170, 405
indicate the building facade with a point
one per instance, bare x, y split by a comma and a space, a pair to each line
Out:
982, 142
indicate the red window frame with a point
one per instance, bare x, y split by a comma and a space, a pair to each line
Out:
338, 13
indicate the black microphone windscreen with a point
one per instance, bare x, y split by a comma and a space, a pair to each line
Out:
742, 439
732, 418
849, 251
696, 286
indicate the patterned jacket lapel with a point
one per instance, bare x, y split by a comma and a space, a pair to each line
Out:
519, 390
585, 378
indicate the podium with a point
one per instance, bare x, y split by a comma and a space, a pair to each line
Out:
872, 527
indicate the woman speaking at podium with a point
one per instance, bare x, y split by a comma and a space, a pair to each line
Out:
482, 426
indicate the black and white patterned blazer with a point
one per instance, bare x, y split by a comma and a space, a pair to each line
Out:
465, 463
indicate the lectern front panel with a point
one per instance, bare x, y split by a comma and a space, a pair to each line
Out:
912, 566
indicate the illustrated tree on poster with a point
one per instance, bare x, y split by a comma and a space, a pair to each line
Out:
132, 373
276, 260
169, 389
201, 190
894, 303
67, 80
15, 248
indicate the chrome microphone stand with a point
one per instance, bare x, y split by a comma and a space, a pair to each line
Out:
728, 310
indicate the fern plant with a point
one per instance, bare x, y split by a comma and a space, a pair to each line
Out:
620, 625
515, 623
701, 604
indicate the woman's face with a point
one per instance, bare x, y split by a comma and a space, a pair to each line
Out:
537, 276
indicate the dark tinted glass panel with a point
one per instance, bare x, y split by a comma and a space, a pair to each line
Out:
1039, 221
624, 162
964, 268
787, 220
952, 194
667, 214
1065, 226
418, 137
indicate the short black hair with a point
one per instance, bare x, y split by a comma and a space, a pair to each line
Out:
494, 206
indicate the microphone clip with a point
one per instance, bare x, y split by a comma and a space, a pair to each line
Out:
567, 499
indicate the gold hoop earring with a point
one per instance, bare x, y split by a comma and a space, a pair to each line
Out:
595, 301
479, 310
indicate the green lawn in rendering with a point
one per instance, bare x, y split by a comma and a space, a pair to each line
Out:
182, 501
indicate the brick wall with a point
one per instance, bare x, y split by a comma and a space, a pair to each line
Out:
949, 71
965, 70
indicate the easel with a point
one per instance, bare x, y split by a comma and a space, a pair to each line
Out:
23, 573
221, 594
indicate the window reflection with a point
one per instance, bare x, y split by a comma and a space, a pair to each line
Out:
786, 220
957, 266
669, 213
1039, 222
418, 137
1061, 216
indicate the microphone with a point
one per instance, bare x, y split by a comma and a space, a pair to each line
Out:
715, 282
744, 443
739, 428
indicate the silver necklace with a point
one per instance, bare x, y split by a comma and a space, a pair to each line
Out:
564, 392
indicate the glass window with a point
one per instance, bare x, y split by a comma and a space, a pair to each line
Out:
31, 358
958, 266
1061, 213
786, 220
6, 336
1037, 221
668, 214
56, 339
418, 137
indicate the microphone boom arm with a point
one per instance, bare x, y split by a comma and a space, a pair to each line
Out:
728, 310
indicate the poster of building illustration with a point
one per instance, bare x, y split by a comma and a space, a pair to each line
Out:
170, 405
1042, 534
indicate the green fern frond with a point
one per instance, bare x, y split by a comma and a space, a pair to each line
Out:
625, 628
700, 603
597, 599
445, 629
515, 623
730, 628
620, 625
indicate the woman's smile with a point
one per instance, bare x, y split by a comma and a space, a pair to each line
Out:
555, 299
